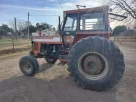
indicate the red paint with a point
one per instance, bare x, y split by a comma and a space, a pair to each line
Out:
93, 33
81, 36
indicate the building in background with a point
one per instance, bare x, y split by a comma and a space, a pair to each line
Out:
45, 33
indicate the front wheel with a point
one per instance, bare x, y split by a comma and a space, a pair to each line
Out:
96, 63
28, 65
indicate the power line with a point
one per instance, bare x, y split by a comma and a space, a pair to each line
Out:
34, 18
60, 5
37, 20
44, 15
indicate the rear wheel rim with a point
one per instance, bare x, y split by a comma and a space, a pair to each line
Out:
93, 66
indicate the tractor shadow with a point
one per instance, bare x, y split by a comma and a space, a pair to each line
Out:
44, 67
60, 89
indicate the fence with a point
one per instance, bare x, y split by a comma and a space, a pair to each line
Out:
11, 45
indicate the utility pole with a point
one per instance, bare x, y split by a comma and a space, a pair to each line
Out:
15, 21
28, 26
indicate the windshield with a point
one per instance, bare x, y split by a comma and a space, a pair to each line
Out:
92, 21
71, 23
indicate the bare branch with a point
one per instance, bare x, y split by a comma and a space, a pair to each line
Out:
133, 11
123, 5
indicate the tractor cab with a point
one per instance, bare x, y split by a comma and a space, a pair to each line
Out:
82, 23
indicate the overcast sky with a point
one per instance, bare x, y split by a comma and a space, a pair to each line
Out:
19, 9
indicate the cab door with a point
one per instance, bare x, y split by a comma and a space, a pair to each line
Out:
69, 30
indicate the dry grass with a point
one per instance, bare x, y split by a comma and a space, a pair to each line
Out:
20, 45
7, 43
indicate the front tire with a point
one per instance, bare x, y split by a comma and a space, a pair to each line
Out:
96, 63
28, 65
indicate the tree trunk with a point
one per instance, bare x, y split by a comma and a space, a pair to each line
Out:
13, 44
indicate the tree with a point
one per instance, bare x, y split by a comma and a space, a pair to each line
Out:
54, 28
37, 24
18, 26
117, 30
4, 29
128, 6
123, 7
43, 26
32, 29
21, 24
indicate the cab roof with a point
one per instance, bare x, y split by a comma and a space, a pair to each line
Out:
95, 9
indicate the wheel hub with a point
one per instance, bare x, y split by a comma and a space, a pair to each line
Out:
92, 65
27, 67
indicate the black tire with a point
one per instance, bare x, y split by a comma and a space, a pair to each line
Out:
50, 61
31, 62
112, 66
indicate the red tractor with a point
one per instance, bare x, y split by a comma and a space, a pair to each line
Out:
94, 62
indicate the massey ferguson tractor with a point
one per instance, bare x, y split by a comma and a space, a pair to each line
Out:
94, 62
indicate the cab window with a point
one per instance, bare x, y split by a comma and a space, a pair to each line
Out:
92, 21
71, 23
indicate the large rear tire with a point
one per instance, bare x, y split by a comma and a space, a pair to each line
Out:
28, 65
96, 63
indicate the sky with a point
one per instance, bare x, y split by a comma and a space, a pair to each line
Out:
39, 9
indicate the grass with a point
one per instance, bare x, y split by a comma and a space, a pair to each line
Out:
13, 54
4, 41
20, 46
7, 43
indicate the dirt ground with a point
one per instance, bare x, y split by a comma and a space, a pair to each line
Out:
53, 84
